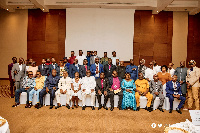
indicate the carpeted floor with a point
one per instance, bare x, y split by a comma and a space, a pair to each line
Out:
22, 120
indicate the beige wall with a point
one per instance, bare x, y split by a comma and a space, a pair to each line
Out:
179, 39
13, 37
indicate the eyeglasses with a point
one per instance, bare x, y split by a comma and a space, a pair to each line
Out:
37, 74
30, 74
150, 64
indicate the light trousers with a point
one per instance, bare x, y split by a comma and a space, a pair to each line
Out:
58, 96
92, 98
193, 94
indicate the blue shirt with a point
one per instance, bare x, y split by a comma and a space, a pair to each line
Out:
134, 73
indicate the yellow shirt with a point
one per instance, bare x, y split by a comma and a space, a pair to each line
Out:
142, 85
40, 82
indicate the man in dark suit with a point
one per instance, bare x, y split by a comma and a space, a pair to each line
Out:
83, 68
109, 68
18, 72
121, 70
14, 59
73, 68
43, 68
114, 88
53, 65
173, 89
96, 68
102, 87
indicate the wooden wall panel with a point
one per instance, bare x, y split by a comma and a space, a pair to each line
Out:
153, 37
193, 40
46, 34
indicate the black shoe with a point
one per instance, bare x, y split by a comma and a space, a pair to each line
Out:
111, 109
51, 106
170, 111
149, 109
83, 108
40, 106
37, 105
178, 110
120, 108
16, 104
68, 106
105, 107
138, 108
146, 108
30, 105
160, 108
100, 106
93, 108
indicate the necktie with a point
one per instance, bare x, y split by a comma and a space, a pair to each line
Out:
97, 68
85, 67
102, 83
109, 67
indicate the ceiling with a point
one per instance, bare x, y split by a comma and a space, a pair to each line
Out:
190, 6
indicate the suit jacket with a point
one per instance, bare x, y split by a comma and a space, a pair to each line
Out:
82, 70
111, 81
193, 77
181, 75
121, 71
56, 68
20, 74
72, 70
152, 86
105, 85
170, 89
9, 71
93, 69
134, 73
44, 71
108, 73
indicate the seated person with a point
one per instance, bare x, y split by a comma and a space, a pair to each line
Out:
28, 84
142, 89
102, 87
51, 85
173, 89
40, 83
64, 86
128, 87
114, 88
88, 86
76, 90
156, 89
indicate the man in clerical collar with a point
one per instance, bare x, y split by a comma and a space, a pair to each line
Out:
109, 68
121, 70
96, 68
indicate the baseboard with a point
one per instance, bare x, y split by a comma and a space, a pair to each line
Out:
4, 78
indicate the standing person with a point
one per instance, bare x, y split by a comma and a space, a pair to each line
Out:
72, 58
80, 57
73, 68
142, 67
61, 68
117, 63
83, 68
96, 68
48, 61
92, 58
114, 58
193, 85
156, 89
173, 90
133, 70
14, 59
76, 90
104, 60
150, 72
88, 57
88, 86
156, 66
65, 61
18, 72
121, 70
43, 68
128, 87
33, 68
53, 65
181, 73
164, 77
109, 68
171, 69
29, 63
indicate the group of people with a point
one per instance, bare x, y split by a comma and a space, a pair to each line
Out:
81, 76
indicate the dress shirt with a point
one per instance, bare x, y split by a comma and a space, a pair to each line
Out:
40, 82
149, 73
88, 83
20, 67
171, 72
157, 68
114, 60
116, 83
80, 59
65, 83
97, 65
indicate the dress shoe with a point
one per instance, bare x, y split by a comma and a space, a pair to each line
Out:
40, 106
16, 104
83, 108
30, 105
149, 109
170, 111
100, 106
120, 108
111, 109
57, 107
178, 110
161, 109
68, 106
37, 105
93, 108
26, 105
105, 107
138, 108
146, 108
51, 106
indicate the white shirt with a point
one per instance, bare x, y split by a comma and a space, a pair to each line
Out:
65, 84
157, 68
149, 73
114, 60
97, 75
20, 67
175, 88
88, 83
80, 59
171, 71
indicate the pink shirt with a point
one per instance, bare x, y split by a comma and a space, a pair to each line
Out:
102, 83
116, 83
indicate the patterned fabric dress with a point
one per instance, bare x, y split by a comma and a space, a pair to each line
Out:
128, 98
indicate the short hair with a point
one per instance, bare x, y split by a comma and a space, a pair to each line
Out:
38, 71
72, 51
85, 59
65, 58
113, 52
30, 71
14, 57
80, 50
105, 52
127, 73
164, 66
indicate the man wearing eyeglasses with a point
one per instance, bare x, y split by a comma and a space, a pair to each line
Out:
28, 84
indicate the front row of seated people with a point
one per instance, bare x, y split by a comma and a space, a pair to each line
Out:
128, 90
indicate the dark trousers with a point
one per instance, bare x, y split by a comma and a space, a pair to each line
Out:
11, 87
19, 91
171, 99
52, 95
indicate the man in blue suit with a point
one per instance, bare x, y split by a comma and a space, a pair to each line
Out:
133, 70
73, 68
96, 68
173, 89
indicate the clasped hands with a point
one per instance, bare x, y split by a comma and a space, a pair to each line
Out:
176, 96
92, 90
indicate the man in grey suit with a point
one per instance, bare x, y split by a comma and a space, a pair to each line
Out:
83, 68
18, 72
43, 68
181, 73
